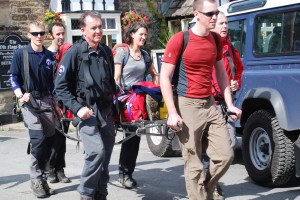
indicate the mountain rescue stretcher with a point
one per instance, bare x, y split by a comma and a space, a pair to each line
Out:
124, 119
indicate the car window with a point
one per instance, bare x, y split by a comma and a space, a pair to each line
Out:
237, 33
277, 33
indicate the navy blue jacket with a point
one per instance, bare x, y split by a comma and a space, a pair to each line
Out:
41, 70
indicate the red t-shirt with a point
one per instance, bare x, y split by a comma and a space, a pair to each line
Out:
238, 65
193, 77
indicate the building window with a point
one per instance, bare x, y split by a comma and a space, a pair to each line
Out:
111, 23
109, 40
75, 38
175, 26
75, 24
65, 4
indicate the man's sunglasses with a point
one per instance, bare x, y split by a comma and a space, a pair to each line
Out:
35, 34
210, 14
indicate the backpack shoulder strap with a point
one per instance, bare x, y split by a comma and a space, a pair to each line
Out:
215, 38
126, 55
108, 56
186, 37
84, 61
147, 59
26, 68
123, 47
231, 63
232, 50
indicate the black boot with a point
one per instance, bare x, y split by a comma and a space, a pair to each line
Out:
52, 178
48, 190
99, 196
127, 181
62, 177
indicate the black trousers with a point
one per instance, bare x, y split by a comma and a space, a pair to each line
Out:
128, 155
57, 157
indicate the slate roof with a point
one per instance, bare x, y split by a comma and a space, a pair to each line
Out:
179, 8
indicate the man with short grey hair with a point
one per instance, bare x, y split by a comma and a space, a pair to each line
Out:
85, 84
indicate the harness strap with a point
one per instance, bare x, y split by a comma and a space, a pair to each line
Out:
128, 106
26, 68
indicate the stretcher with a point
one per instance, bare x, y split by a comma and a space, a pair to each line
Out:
143, 127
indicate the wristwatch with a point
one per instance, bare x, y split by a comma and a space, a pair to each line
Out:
20, 97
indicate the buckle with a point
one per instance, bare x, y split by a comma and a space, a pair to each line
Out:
35, 94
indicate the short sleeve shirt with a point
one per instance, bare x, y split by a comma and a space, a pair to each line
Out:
193, 77
133, 71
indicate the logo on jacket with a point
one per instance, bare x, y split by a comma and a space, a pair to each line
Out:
61, 70
48, 62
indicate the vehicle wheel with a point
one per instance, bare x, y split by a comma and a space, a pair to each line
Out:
161, 146
267, 152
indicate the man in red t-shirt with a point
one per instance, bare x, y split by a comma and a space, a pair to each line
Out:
234, 69
192, 110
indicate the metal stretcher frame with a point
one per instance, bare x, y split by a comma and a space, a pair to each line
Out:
144, 127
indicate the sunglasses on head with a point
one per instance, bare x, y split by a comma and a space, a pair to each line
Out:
35, 34
210, 14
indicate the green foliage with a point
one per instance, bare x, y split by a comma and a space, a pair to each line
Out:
165, 37
160, 18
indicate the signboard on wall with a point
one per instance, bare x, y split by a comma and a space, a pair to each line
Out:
8, 45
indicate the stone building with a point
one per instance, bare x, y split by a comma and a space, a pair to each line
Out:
15, 15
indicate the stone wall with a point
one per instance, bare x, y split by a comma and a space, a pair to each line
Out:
14, 17
16, 14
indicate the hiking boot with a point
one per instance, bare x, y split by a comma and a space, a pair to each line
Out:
127, 181
219, 189
218, 193
152, 107
49, 191
62, 177
37, 188
99, 196
52, 178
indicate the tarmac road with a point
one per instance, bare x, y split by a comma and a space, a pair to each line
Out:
158, 178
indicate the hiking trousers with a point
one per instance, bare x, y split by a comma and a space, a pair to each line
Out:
204, 125
40, 128
57, 157
98, 144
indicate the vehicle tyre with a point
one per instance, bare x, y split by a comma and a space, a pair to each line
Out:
268, 152
162, 146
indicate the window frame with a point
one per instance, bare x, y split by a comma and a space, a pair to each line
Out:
272, 12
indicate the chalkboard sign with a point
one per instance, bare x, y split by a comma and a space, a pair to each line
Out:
8, 45
157, 56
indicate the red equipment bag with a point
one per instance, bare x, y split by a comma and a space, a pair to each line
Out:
132, 104
132, 107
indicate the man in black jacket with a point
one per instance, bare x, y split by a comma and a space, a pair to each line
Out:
85, 85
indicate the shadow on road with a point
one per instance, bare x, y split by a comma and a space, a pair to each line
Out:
167, 184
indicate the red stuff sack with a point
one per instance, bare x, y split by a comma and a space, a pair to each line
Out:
131, 107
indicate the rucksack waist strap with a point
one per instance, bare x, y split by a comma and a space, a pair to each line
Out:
39, 94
